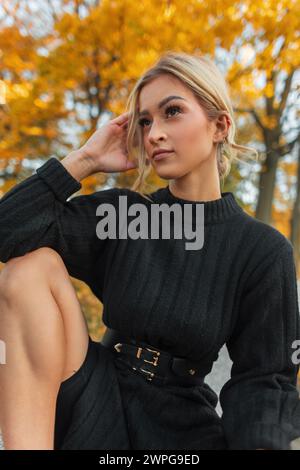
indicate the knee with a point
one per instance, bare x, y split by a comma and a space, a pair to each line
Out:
29, 268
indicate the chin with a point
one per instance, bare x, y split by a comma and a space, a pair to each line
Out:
167, 174
170, 173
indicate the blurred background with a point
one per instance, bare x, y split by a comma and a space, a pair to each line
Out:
67, 67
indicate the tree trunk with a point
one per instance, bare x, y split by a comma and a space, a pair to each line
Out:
266, 187
295, 220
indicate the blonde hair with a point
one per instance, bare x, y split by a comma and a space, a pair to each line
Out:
204, 79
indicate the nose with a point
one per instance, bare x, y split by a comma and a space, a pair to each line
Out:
155, 134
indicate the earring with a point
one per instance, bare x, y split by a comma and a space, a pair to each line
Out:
221, 143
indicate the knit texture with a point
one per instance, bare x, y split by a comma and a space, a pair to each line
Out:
239, 289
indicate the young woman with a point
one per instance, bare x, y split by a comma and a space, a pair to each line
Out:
168, 309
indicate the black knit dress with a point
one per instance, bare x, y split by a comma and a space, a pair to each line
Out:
239, 289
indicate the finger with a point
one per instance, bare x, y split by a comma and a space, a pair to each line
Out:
130, 165
122, 119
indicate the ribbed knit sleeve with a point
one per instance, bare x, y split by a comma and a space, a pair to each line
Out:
35, 213
260, 402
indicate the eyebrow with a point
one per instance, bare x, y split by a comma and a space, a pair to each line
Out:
162, 103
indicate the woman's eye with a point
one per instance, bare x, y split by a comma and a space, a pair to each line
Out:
168, 109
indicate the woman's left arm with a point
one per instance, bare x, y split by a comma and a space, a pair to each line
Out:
260, 402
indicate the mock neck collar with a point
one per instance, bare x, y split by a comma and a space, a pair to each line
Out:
217, 210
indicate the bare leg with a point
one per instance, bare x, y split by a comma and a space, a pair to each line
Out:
38, 309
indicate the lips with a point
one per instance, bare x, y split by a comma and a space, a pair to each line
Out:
162, 154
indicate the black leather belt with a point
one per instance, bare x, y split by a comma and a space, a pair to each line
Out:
154, 364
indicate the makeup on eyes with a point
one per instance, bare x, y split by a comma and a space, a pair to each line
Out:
168, 108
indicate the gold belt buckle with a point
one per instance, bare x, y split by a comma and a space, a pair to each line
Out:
139, 351
117, 347
151, 374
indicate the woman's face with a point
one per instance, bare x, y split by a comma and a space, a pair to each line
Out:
179, 125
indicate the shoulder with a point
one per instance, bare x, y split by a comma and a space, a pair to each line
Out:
109, 195
120, 198
265, 246
264, 236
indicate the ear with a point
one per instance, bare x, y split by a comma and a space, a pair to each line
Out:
222, 127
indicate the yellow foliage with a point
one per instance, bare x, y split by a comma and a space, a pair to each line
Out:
2, 92
40, 103
281, 221
33, 130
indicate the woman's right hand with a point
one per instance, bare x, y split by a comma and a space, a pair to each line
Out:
106, 149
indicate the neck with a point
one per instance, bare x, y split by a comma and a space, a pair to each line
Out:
200, 185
